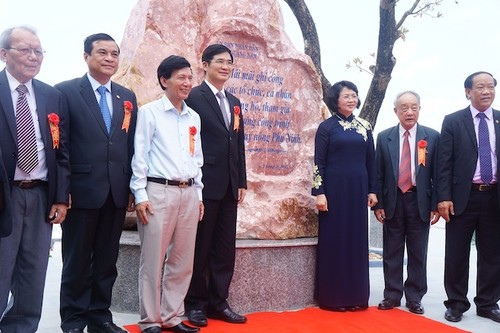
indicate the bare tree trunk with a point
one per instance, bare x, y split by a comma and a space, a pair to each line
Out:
388, 34
310, 36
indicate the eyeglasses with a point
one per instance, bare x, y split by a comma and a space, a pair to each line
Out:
347, 97
27, 50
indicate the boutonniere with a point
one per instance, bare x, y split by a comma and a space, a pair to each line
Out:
237, 112
54, 128
192, 133
422, 145
127, 110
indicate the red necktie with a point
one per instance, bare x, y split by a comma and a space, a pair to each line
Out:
404, 182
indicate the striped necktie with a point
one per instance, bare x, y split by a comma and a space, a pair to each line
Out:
27, 159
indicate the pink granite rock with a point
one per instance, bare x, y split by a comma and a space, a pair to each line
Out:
278, 86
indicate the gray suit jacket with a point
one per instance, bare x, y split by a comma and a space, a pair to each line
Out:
458, 156
387, 157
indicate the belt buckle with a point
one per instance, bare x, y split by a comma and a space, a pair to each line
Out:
484, 187
24, 184
183, 184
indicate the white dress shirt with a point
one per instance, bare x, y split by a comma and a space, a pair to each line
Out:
41, 171
161, 146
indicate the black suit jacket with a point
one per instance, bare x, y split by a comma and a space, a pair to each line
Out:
5, 202
223, 149
100, 162
48, 100
387, 157
458, 156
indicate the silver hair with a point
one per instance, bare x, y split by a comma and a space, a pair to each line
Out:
6, 36
398, 96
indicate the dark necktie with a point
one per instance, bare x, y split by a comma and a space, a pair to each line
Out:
223, 108
27, 159
103, 105
404, 180
484, 150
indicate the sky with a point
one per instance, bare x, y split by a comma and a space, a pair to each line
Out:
436, 57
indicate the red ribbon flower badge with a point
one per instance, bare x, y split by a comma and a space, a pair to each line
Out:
422, 145
127, 109
54, 128
192, 133
237, 112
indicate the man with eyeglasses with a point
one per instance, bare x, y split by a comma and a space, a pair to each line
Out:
33, 134
225, 182
468, 199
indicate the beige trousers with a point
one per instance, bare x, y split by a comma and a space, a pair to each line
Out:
167, 252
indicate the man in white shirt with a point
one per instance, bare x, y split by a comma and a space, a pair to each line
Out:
167, 187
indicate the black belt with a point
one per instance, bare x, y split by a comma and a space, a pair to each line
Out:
484, 187
28, 184
180, 183
411, 189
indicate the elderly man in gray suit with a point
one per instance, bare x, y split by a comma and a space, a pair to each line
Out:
406, 163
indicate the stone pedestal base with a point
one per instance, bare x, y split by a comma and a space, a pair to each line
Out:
269, 275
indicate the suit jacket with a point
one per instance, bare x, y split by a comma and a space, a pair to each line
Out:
5, 202
458, 155
223, 149
48, 100
387, 157
100, 162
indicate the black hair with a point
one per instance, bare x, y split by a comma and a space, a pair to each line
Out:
89, 41
332, 97
212, 50
169, 65
470, 78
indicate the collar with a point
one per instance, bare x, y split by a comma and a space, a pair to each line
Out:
95, 84
13, 83
413, 131
214, 89
488, 112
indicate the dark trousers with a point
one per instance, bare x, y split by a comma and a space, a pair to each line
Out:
214, 255
406, 227
90, 244
481, 215
23, 261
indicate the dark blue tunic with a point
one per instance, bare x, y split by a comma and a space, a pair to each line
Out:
345, 158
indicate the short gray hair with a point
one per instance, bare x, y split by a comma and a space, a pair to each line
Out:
398, 96
6, 36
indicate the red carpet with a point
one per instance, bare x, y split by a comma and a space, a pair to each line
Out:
313, 320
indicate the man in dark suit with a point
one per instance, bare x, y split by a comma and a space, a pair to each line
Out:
224, 179
406, 165
36, 163
102, 117
468, 199
5, 202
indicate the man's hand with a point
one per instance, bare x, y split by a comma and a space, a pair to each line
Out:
380, 215
241, 194
434, 217
142, 209
202, 211
57, 213
446, 208
321, 203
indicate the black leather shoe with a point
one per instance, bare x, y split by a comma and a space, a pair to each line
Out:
335, 309
197, 318
75, 330
388, 304
152, 329
453, 315
415, 307
227, 315
492, 314
181, 328
108, 327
